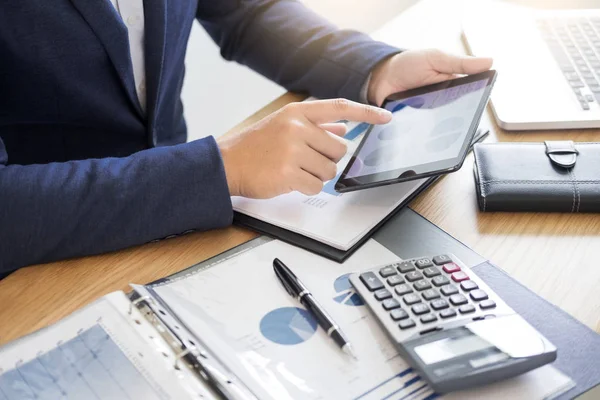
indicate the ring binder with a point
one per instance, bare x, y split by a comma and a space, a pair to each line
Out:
148, 343
196, 358
137, 301
180, 356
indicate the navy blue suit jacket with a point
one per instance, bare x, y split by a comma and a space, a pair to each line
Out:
82, 169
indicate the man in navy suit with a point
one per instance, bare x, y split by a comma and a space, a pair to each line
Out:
92, 136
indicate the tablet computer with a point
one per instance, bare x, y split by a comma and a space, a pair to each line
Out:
429, 134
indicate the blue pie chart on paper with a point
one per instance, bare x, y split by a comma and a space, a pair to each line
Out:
345, 292
288, 326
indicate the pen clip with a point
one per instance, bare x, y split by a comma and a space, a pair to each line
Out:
283, 281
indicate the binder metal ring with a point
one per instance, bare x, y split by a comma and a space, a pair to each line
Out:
138, 301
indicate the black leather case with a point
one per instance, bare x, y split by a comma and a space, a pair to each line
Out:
557, 176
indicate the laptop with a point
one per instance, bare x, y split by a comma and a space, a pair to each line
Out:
548, 63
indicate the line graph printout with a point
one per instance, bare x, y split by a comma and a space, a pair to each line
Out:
89, 366
98, 352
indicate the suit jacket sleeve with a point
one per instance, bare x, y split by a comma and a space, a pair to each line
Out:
60, 210
293, 46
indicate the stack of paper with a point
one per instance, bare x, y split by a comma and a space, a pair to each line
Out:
336, 219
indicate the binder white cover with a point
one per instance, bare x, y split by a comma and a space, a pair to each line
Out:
228, 301
153, 345
113, 348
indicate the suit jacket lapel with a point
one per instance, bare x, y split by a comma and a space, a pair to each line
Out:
156, 17
112, 33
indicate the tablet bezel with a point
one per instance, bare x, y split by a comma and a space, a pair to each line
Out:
436, 168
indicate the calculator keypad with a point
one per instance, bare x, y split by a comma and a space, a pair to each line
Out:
405, 267
383, 294
428, 318
430, 294
458, 299
431, 272
449, 313
411, 298
449, 290
407, 323
395, 280
413, 276
439, 304
440, 281
398, 314
468, 285
459, 276
371, 281
478, 295
422, 284
441, 260
487, 304
467, 308
387, 271
403, 289
390, 304
425, 292
419, 309
423, 263
450, 268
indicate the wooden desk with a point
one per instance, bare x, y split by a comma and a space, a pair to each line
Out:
556, 255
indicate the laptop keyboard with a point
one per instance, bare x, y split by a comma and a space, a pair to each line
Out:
575, 44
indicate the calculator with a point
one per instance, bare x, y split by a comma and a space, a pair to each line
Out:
449, 325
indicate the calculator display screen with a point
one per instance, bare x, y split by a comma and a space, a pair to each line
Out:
449, 348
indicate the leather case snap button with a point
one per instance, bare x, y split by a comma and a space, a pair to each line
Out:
562, 153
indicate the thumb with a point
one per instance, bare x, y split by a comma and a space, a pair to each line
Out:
458, 64
473, 65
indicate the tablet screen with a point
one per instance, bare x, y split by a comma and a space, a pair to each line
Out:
429, 131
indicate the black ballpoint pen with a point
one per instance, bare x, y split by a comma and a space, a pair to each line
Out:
296, 289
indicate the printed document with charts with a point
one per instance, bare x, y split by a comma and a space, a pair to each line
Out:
107, 350
236, 307
338, 220
227, 326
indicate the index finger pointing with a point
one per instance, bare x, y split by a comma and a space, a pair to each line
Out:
322, 111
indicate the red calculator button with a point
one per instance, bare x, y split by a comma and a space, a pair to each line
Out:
459, 276
450, 268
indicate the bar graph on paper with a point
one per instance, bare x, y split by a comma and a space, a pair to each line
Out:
406, 385
89, 366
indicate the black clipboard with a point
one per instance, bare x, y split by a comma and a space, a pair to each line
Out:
313, 245
323, 249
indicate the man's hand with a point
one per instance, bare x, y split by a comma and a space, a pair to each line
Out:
295, 148
414, 68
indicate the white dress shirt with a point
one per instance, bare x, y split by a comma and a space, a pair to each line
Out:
132, 14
